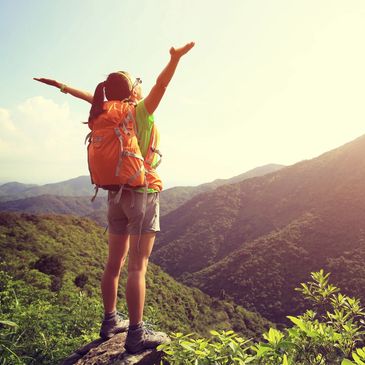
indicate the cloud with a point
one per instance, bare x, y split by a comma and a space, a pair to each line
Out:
39, 110
41, 141
6, 124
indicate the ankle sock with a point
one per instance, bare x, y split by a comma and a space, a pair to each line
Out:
136, 326
109, 316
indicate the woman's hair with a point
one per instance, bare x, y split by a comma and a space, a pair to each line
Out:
117, 86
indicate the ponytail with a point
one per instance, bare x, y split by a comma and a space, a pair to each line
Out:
98, 102
117, 86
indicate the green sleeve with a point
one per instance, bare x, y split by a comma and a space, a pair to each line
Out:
144, 126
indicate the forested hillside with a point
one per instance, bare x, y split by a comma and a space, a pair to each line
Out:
79, 186
258, 239
53, 252
54, 204
174, 197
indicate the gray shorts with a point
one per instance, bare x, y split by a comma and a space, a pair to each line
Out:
126, 216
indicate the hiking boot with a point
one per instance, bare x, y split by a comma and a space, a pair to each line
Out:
142, 338
112, 326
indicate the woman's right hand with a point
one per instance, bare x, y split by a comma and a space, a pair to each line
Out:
49, 82
179, 52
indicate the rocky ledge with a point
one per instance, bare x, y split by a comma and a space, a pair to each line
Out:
111, 352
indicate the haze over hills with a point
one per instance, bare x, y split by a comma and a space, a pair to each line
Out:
73, 196
258, 239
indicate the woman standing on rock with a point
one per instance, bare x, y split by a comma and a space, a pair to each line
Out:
133, 215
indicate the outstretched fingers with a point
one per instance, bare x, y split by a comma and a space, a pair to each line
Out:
179, 52
47, 81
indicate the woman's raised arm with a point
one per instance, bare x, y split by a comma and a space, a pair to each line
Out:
154, 97
84, 95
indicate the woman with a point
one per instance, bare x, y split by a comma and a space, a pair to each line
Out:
126, 231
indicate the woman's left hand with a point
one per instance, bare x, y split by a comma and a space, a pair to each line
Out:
49, 82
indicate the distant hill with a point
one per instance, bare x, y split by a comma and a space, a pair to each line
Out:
79, 186
176, 196
80, 246
259, 238
14, 188
54, 204
73, 196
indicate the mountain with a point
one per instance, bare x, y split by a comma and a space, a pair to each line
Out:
73, 196
174, 197
66, 248
14, 188
258, 239
79, 186
54, 204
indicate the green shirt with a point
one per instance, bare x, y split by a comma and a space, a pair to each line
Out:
145, 123
144, 127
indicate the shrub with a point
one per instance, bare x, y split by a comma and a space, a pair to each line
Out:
81, 280
330, 332
50, 265
38, 328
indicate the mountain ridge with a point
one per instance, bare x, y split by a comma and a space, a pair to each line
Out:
207, 229
78, 186
78, 203
175, 196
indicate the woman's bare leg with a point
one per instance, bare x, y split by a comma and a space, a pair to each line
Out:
118, 250
137, 267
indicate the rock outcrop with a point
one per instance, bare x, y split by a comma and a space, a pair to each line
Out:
111, 352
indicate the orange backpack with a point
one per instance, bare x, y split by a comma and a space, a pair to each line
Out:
114, 155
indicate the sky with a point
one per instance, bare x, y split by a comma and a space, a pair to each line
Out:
268, 81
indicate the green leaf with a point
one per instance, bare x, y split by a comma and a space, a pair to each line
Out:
201, 353
298, 322
233, 346
186, 345
361, 352
262, 349
347, 362
285, 360
357, 359
273, 336
8, 323
166, 351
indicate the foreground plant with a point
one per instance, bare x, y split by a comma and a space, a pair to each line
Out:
36, 329
332, 331
224, 347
